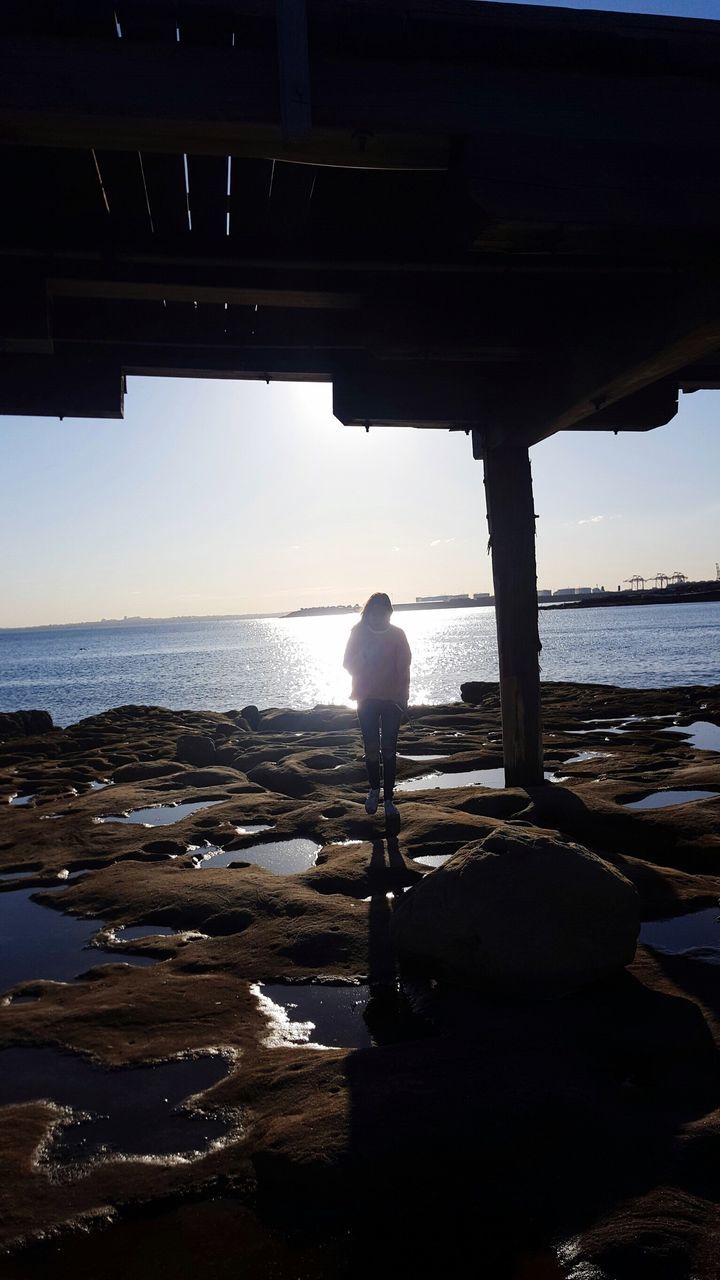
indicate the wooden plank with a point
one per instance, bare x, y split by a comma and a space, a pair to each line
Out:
121, 174
293, 68
165, 183
207, 198
511, 519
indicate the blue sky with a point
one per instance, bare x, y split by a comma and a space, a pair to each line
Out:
219, 497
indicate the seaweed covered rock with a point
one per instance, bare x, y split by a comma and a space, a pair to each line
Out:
522, 912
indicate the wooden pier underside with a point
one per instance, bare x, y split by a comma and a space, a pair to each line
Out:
470, 216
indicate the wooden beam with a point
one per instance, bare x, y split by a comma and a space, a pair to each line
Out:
181, 99
511, 519
148, 290
652, 407
200, 98
63, 387
640, 348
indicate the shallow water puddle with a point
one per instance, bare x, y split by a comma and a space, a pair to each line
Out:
282, 857
701, 734
18, 801
664, 799
587, 755
100, 786
39, 943
472, 778
421, 758
433, 859
252, 828
144, 1111
159, 815
315, 1015
696, 934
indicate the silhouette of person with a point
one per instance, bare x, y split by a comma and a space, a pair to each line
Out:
378, 658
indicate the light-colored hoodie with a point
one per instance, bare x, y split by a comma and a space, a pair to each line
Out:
379, 663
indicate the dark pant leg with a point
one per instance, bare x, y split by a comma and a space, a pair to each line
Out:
369, 716
391, 717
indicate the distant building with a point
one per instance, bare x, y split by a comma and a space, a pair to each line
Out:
481, 595
583, 591
439, 599
544, 595
565, 593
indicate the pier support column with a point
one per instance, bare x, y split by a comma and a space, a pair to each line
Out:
511, 517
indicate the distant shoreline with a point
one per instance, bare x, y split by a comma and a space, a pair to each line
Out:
663, 596
142, 622
689, 593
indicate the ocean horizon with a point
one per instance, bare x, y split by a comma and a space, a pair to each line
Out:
77, 671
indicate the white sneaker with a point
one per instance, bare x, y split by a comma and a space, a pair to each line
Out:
373, 800
391, 810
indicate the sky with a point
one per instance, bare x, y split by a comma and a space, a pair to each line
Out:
239, 497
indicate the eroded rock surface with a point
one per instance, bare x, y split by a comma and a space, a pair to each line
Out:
541, 1136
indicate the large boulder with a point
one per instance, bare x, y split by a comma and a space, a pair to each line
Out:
195, 748
251, 716
23, 724
522, 912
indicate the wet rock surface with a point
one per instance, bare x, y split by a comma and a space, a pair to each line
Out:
554, 1136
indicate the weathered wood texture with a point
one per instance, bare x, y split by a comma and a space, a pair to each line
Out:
511, 518
459, 213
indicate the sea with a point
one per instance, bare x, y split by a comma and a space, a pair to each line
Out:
74, 672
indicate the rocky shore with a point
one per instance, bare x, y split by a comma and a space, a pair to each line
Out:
437, 1119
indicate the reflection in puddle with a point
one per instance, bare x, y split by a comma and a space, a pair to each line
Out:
433, 859
17, 801
100, 786
421, 758
587, 755
473, 778
39, 943
701, 734
663, 799
252, 828
132, 1110
159, 815
315, 1015
696, 934
282, 857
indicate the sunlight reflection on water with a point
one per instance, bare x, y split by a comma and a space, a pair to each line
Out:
297, 662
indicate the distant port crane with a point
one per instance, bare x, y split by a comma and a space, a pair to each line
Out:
661, 580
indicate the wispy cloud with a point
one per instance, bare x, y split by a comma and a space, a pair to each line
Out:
592, 520
442, 542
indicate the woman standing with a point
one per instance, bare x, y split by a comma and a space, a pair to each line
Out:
378, 658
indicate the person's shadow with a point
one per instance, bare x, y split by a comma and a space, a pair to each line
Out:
386, 1013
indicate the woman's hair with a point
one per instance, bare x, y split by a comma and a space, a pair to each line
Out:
378, 600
